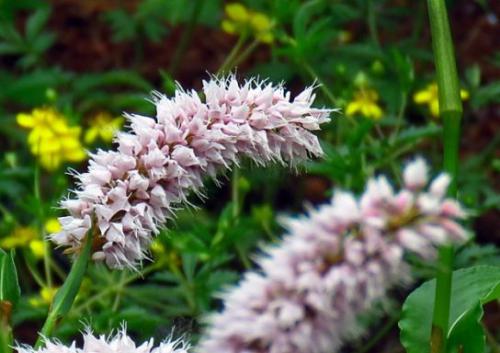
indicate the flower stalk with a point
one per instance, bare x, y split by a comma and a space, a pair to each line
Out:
66, 295
450, 111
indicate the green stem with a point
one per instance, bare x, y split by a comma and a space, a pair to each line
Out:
244, 54
110, 290
450, 107
314, 75
226, 65
386, 328
66, 295
33, 270
187, 288
235, 192
442, 300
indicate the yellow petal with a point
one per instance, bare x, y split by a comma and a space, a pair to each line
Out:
422, 97
267, 37
40, 134
91, 135
117, 122
229, 27
76, 155
35, 302
352, 108
52, 225
157, 247
260, 22
375, 112
25, 120
37, 247
434, 108
47, 294
107, 134
464, 94
49, 146
50, 161
237, 12
366, 110
69, 143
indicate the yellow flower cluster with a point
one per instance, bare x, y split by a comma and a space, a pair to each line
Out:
29, 237
243, 21
103, 126
365, 103
51, 139
430, 97
44, 298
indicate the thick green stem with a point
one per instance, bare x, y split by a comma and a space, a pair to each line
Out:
66, 295
450, 107
442, 300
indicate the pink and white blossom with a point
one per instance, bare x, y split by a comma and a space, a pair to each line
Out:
129, 193
333, 265
119, 343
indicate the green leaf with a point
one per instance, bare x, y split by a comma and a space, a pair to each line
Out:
486, 95
66, 295
9, 285
473, 76
304, 15
467, 335
471, 286
35, 23
414, 134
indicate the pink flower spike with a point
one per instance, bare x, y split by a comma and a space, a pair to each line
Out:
131, 192
331, 267
118, 343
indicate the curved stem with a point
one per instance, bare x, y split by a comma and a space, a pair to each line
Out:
66, 295
226, 65
244, 54
111, 289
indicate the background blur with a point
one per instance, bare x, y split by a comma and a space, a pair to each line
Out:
70, 68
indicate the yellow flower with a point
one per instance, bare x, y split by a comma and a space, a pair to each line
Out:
237, 12
24, 237
45, 297
37, 247
21, 236
103, 126
52, 225
430, 96
242, 21
157, 247
51, 139
365, 103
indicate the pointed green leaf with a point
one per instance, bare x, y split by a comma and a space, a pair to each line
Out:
9, 284
467, 335
35, 23
471, 286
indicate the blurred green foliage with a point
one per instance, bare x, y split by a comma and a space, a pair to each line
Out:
341, 46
